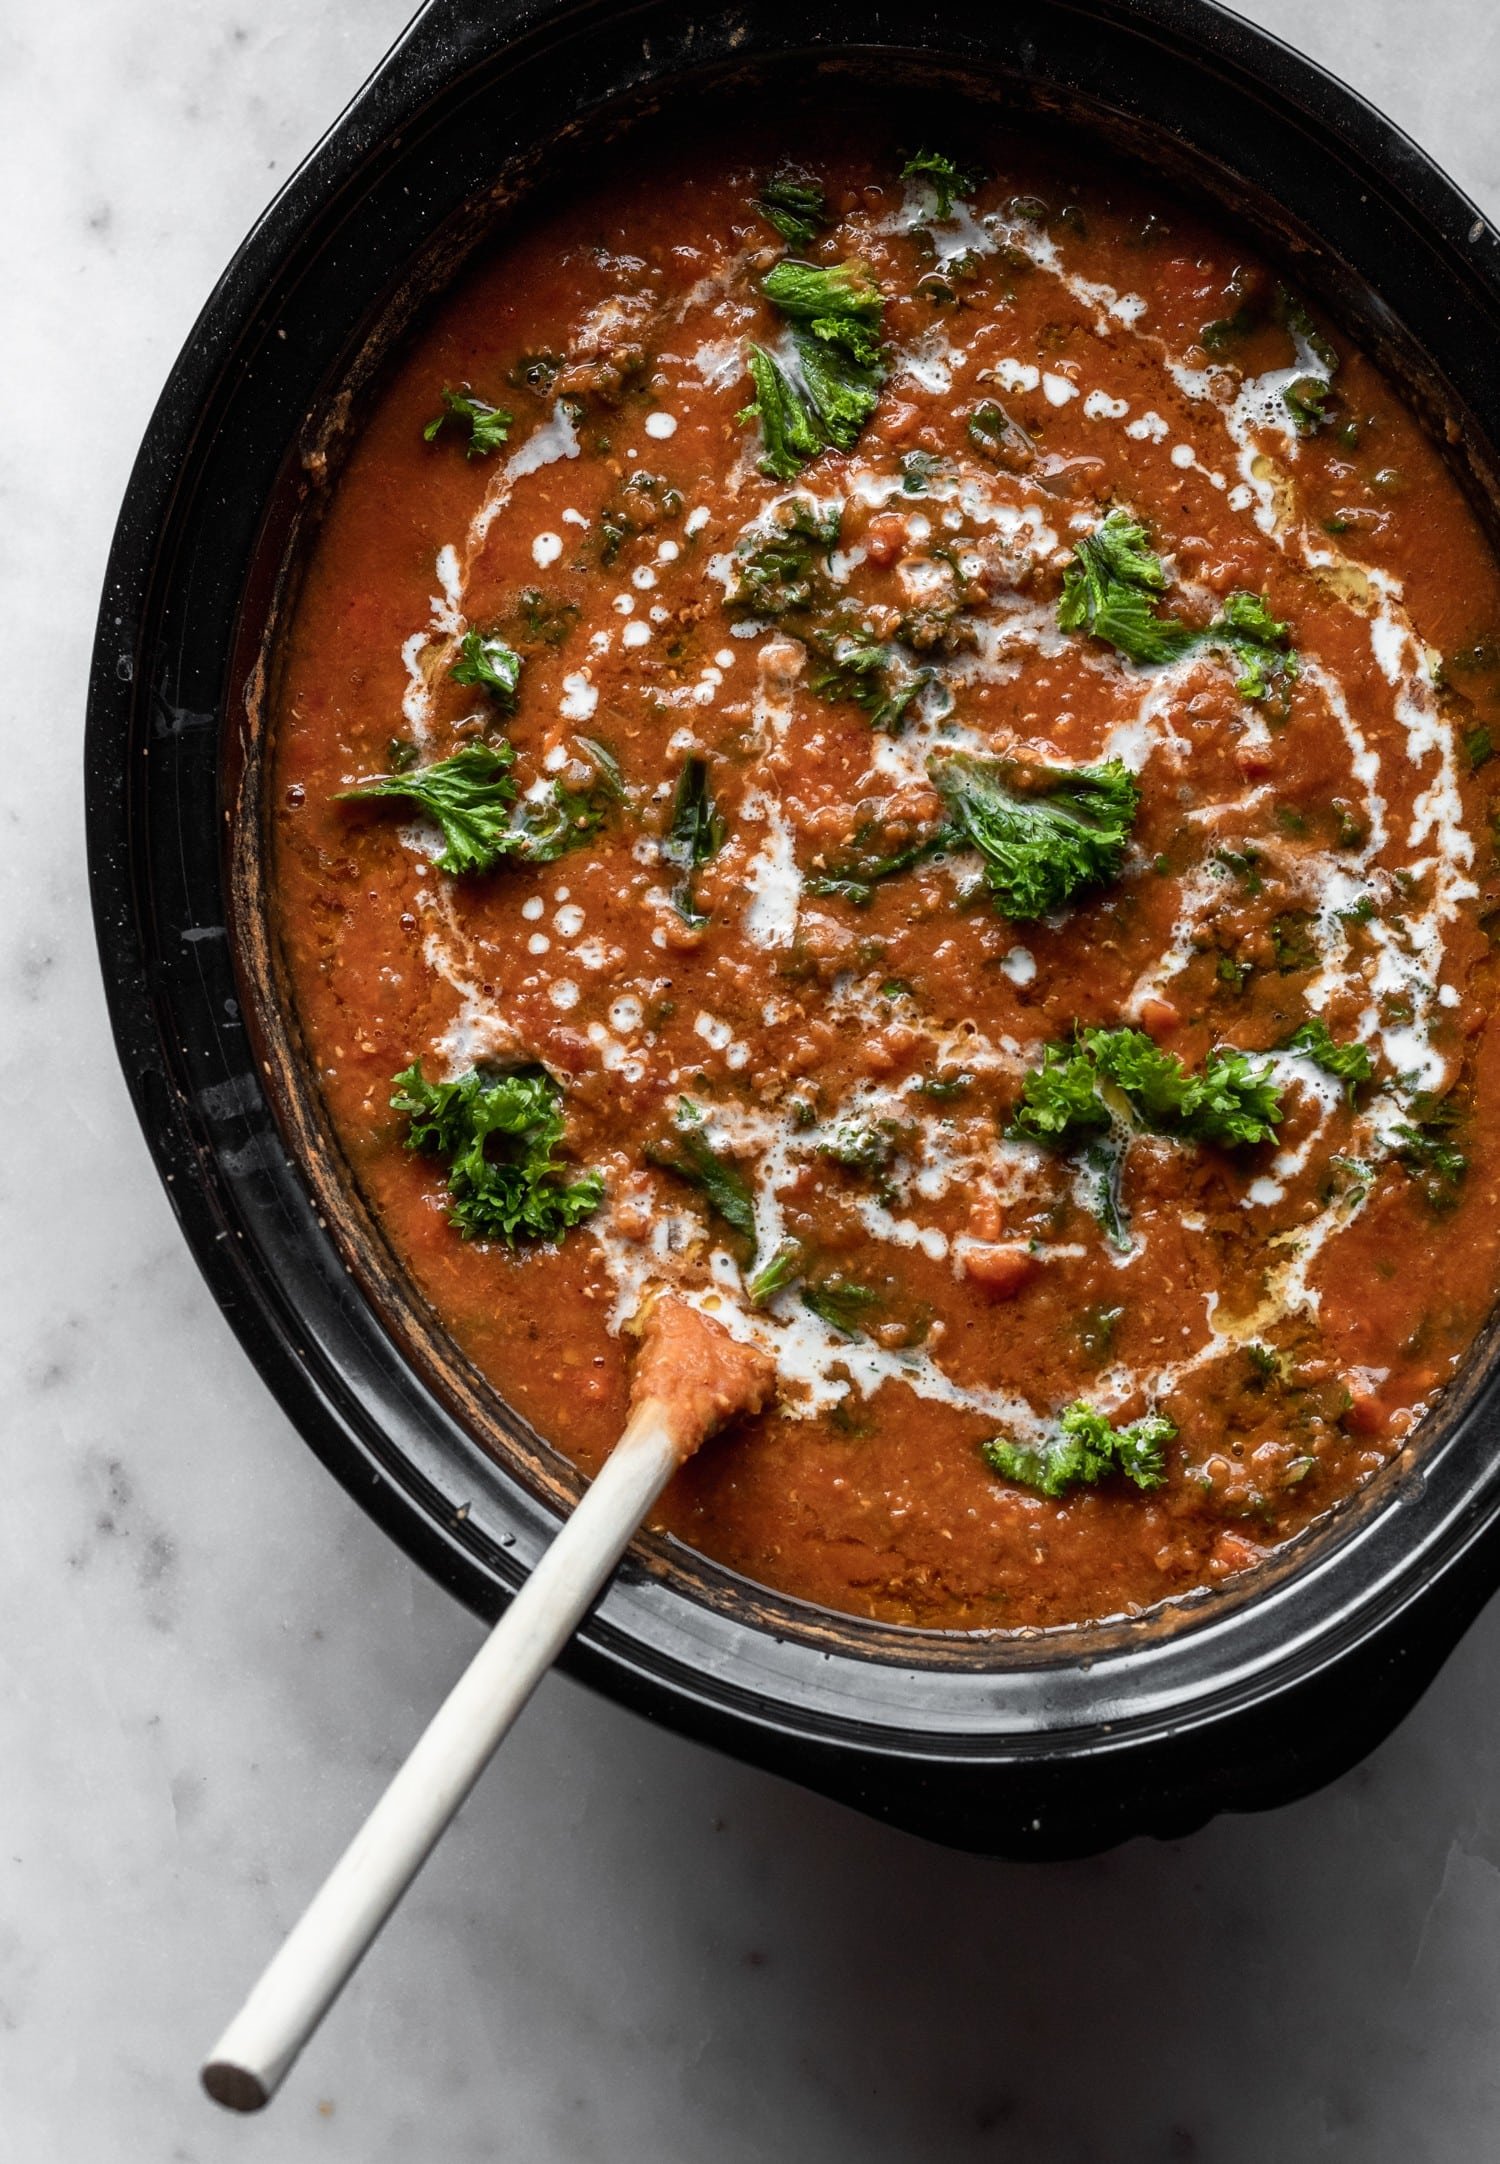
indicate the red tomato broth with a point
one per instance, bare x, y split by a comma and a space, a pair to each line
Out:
881, 1504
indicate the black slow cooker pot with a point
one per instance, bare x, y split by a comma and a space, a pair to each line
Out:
1041, 1745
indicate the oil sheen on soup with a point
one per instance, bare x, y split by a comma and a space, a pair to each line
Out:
899, 739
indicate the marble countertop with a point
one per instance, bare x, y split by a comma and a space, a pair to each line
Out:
628, 1948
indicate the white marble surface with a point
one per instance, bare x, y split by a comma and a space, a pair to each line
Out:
628, 1949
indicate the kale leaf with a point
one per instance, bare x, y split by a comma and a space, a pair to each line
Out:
518, 1192
695, 832
1060, 1100
868, 671
840, 304
843, 392
1085, 1450
780, 561
825, 396
1260, 646
1233, 1102
1426, 1150
841, 1303
544, 827
1042, 842
1063, 830
695, 1160
790, 432
775, 1275
854, 878
1110, 590
793, 205
469, 795
1306, 401
1350, 1062
489, 426
473, 799
947, 181
490, 662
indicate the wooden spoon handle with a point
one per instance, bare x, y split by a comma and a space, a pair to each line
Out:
247, 2064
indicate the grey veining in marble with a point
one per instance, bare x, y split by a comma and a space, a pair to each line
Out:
628, 1949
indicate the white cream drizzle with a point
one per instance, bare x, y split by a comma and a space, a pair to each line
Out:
772, 878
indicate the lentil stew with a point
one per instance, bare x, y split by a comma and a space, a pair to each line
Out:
900, 740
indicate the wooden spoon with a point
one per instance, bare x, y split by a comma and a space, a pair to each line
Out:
690, 1376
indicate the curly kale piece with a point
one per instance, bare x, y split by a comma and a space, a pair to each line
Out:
469, 795
489, 426
781, 1270
1260, 646
842, 1303
839, 303
1092, 1094
545, 826
1158, 1088
793, 206
780, 562
947, 181
488, 661
1060, 1100
693, 1158
1086, 1449
695, 833
1306, 401
1351, 1062
790, 432
871, 673
473, 799
1233, 1102
1111, 589
498, 1135
1062, 830
1062, 1108
826, 393
1044, 834
1426, 1150
843, 392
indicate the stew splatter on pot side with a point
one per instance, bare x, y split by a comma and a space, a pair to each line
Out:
900, 739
